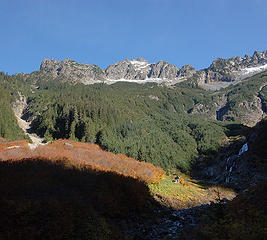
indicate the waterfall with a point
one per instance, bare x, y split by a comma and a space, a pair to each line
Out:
243, 149
229, 167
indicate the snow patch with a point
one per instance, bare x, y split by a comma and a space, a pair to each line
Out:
136, 62
168, 82
139, 64
158, 80
251, 70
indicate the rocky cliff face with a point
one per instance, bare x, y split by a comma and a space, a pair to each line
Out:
244, 102
221, 73
73, 71
128, 69
163, 70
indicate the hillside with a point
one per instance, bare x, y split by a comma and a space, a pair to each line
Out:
147, 124
9, 128
83, 154
244, 102
47, 199
40, 190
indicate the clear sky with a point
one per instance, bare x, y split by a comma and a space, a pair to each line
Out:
102, 32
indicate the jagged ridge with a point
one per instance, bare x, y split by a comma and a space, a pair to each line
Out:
138, 69
221, 73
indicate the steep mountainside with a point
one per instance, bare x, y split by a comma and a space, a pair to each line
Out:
244, 102
242, 159
146, 122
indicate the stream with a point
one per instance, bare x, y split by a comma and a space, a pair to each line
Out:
169, 224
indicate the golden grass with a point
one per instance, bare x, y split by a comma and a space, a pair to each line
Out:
192, 193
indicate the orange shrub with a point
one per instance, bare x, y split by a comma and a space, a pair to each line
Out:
14, 144
86, 155
183, 182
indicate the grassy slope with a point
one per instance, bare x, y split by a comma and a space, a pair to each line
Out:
188, 192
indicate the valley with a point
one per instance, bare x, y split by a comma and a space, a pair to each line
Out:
170, 158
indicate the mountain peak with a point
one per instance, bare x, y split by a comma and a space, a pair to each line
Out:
72, 71
67, 60
223, 72
140, 59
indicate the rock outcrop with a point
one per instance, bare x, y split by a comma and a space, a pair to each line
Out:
128, 69
163, 70
186, 71
232, 70
73, 71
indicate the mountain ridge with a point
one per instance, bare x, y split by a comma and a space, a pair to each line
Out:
221, 73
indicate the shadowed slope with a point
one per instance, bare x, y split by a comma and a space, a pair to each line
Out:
42, 199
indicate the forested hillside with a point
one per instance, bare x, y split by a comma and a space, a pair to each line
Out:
9, 128
149, 122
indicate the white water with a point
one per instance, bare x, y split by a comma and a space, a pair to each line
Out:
243, 149
229, 167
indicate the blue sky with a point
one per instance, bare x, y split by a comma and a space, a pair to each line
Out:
102, 32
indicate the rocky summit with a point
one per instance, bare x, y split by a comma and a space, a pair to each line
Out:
221, 73
226, 71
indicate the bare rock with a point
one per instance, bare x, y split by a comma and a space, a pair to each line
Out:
73, 71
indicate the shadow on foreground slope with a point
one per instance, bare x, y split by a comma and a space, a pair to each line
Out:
41, 199
245, 217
